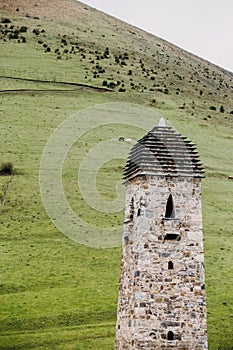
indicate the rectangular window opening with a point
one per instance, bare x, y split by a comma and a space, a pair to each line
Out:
172, 237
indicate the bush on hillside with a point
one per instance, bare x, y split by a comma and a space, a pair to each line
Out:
36, 31
6, 20
111, 85
23, 29
122, 89
14, 35
6, 168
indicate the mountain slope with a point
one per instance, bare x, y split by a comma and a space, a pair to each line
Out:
60, 57
147, 62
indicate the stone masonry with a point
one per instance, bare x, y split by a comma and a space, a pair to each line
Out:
162, 301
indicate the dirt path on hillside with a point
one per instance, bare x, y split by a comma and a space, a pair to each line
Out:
78, 86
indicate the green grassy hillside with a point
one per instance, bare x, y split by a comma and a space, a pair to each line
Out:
56, 60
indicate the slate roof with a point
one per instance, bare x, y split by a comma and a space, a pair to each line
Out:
163, 151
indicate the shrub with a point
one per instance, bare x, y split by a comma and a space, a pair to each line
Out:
106, 53
23, 29
6, 168
117, 59
213, 108
63, 41
111, 84
36, 31
122, 90
222, 110
14, 35
6, 20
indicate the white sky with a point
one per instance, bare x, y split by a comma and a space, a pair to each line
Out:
203, 27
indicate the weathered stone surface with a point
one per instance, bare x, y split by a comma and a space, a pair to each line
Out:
162, 296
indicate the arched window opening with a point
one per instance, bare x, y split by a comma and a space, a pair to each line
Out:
170, 265
170, 335
131, 215
170, 213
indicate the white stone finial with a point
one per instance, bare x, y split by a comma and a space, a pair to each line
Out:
162, 122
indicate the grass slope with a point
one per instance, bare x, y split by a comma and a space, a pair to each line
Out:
55, 293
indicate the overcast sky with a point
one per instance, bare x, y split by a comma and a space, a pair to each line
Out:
203, 27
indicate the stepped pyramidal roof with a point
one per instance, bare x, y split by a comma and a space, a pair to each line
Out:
165, 152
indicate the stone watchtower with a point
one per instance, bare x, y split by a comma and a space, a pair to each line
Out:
162, 301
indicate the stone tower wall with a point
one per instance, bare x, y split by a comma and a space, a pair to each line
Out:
162, 293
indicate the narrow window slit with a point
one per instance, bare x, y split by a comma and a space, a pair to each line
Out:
170, 265
170, 213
